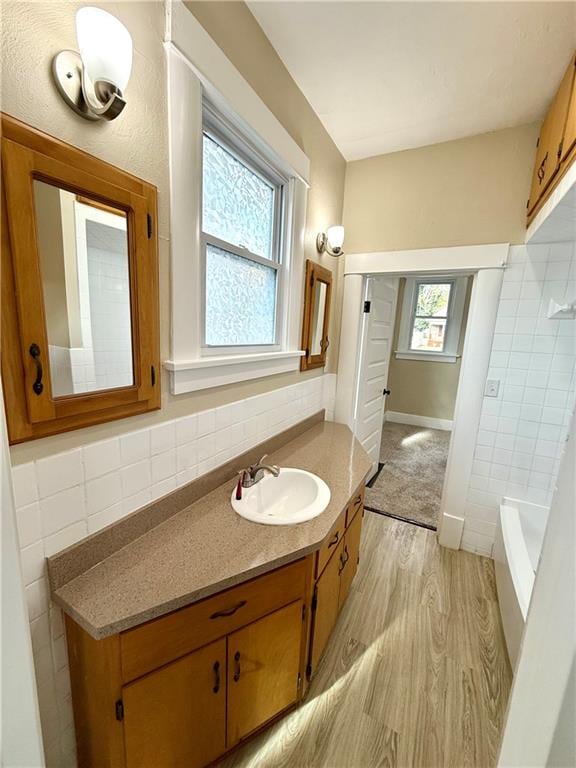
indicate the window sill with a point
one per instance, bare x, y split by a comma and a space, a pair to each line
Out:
208, 372
435, 357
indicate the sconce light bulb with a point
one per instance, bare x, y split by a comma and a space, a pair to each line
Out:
105, 47
335, 237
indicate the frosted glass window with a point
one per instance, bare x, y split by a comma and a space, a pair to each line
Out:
240, 300
238, 204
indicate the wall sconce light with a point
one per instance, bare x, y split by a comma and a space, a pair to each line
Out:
331, 241
92, 82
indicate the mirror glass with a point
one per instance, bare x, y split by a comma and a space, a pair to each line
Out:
83, 249
318, 311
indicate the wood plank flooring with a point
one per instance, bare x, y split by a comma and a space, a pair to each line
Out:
416, 673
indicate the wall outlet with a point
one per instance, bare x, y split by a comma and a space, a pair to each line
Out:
492, 388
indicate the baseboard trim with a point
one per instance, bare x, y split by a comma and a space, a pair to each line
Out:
418, 421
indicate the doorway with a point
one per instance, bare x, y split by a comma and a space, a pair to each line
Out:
481, 268
412, 341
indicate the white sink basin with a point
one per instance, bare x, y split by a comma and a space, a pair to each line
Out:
292, 497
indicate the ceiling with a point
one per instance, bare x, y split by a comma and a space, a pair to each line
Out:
387, 76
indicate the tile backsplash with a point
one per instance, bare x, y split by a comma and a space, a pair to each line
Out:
522, 431
65, 497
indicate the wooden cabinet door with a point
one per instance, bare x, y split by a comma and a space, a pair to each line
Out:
326, 605
176, 717
569, 141
263, 670
549, 151
350, 556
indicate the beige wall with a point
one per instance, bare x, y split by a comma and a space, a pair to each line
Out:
137, 142
461, 192
422, 387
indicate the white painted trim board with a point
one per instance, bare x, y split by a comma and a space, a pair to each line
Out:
455, 259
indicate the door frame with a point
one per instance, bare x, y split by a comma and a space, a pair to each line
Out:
486, 263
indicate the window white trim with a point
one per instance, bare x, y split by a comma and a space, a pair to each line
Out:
231, 93
453, 324
195, 66
193, 375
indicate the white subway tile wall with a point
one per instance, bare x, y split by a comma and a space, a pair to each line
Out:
523, 430
61, 499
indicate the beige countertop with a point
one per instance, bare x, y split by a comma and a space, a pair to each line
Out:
206, 547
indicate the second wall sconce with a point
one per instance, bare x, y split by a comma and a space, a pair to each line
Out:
93, 81
331, 241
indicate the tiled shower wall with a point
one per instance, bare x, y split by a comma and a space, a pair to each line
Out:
522, 431
63, 498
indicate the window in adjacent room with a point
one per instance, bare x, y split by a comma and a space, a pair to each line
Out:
431, 318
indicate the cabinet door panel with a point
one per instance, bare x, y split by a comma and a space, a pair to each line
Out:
570, 133
547, 154
176, 717
326, 611
350, 556
263, 667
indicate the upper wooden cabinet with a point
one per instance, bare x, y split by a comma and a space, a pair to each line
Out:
79, 273
316, 320
569, 143
556, 141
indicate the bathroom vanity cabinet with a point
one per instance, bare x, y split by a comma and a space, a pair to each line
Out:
185, 688
336, 565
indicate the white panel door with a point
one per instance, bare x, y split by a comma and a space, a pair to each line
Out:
377, 336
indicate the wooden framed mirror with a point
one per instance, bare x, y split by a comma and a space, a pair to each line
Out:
79, 272
317, 297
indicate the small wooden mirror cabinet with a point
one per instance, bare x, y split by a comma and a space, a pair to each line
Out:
79, 273
317, 296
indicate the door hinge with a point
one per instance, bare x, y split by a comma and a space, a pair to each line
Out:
560, 148
149, 224
119, 710
152, 375
367, 305
528, 204
314, 603
299, 681
308, 671
537, 142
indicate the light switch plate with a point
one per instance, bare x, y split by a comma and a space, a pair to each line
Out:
492, 388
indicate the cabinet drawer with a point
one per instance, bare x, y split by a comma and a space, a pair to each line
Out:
330, 543
356, 503
162, 640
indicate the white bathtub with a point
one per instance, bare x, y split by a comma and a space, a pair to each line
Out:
519, 537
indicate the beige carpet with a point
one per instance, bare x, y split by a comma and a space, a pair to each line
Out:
410, 482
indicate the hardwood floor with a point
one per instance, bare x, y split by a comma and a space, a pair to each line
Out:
416, 672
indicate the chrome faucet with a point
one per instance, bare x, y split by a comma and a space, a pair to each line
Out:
253, 474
